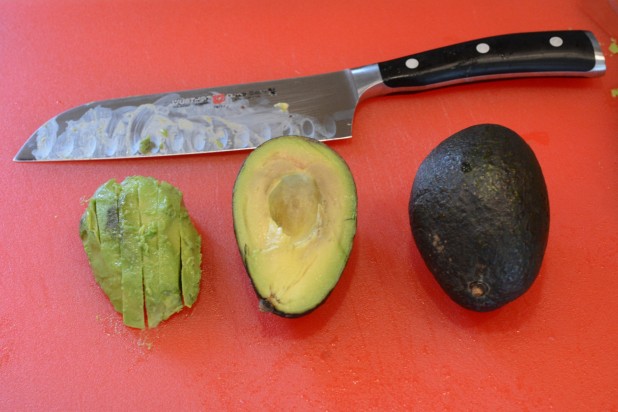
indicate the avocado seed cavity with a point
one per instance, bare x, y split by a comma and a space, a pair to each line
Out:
294, 204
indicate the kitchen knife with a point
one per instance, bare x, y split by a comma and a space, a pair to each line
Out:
322, 106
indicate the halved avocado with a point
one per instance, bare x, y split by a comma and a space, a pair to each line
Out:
294, 207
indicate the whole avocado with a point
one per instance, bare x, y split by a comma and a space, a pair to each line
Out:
479, 213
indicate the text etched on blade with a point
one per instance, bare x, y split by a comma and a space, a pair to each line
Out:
221, 98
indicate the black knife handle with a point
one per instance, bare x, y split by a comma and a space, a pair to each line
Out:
550, 53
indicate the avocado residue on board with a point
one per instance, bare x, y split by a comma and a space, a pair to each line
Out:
144, 251
613, 46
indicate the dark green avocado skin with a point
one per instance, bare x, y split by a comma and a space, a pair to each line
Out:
479, 213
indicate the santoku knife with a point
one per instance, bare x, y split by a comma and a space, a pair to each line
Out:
243, 116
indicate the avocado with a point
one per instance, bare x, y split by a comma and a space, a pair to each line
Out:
144, 251
131, 257
148, 195
168, 213
100, 236
89, 234
479, 213
191, 259
294, 210
106, 200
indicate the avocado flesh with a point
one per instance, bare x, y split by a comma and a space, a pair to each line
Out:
148, 193
295, 218
131, 254
191, 259
143, 249
100, 234
479, 212
168, 212
106, 200
89, 234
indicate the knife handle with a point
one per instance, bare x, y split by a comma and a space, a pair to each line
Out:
550, 53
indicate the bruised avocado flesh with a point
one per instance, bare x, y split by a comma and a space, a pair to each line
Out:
294, 207
479, 211
143, 249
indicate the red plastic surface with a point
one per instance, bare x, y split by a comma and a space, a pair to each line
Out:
388, 337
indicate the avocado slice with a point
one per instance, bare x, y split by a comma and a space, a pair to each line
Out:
89, 234
168, 213
479, 213
106, 201
100, 234
148, 195
131, 253
191, 259
294, 210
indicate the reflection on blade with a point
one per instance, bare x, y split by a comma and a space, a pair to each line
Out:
206, 120
173, 125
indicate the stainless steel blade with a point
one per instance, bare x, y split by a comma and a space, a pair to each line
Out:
196, 121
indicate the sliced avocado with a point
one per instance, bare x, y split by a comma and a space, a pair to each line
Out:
148, 193
168, 213
191, 259
479, 212
143, 248
106, 201
294, 208
131, 253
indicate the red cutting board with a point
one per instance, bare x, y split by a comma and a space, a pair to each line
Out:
388, 338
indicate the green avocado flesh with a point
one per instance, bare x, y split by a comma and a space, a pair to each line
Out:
479, 212
143, 249
294, 207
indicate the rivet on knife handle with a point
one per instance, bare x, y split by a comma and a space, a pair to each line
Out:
550, 53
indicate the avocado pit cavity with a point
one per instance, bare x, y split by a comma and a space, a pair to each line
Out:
294, 204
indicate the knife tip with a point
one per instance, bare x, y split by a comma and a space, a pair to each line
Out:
23, 155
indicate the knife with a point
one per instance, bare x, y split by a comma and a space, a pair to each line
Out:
321, 106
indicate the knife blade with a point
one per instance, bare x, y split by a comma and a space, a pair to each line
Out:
243, 116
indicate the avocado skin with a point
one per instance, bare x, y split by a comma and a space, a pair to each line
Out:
479, 213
